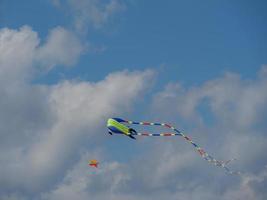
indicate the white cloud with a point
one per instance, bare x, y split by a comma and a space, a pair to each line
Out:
44, 128
25, 109
170, 168
82, 181
17, 49
91, 13
79, 107
116, 181
228, 115
78, 110
21, 53
236, 102
61, 48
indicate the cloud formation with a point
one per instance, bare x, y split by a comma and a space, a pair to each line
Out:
47, 132
21, 49
90, 13
61, 48
169, 168
43, 128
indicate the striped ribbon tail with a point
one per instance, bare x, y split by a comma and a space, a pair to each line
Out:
176, 132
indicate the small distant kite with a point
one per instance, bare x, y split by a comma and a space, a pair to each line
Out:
93, 163
117, 126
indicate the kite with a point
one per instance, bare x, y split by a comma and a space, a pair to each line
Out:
93, 163
118, 126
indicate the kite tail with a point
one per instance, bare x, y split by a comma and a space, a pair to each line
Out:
200, 150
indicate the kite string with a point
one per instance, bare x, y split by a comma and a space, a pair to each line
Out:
200, 150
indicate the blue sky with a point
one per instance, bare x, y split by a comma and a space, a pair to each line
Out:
66, 66
194, 41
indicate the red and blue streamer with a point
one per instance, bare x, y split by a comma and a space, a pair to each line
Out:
176, 132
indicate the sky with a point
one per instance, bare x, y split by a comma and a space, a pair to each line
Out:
66, 66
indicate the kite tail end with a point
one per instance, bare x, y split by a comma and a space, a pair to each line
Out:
228, 161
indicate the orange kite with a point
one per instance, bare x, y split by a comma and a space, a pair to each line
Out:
93, 163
